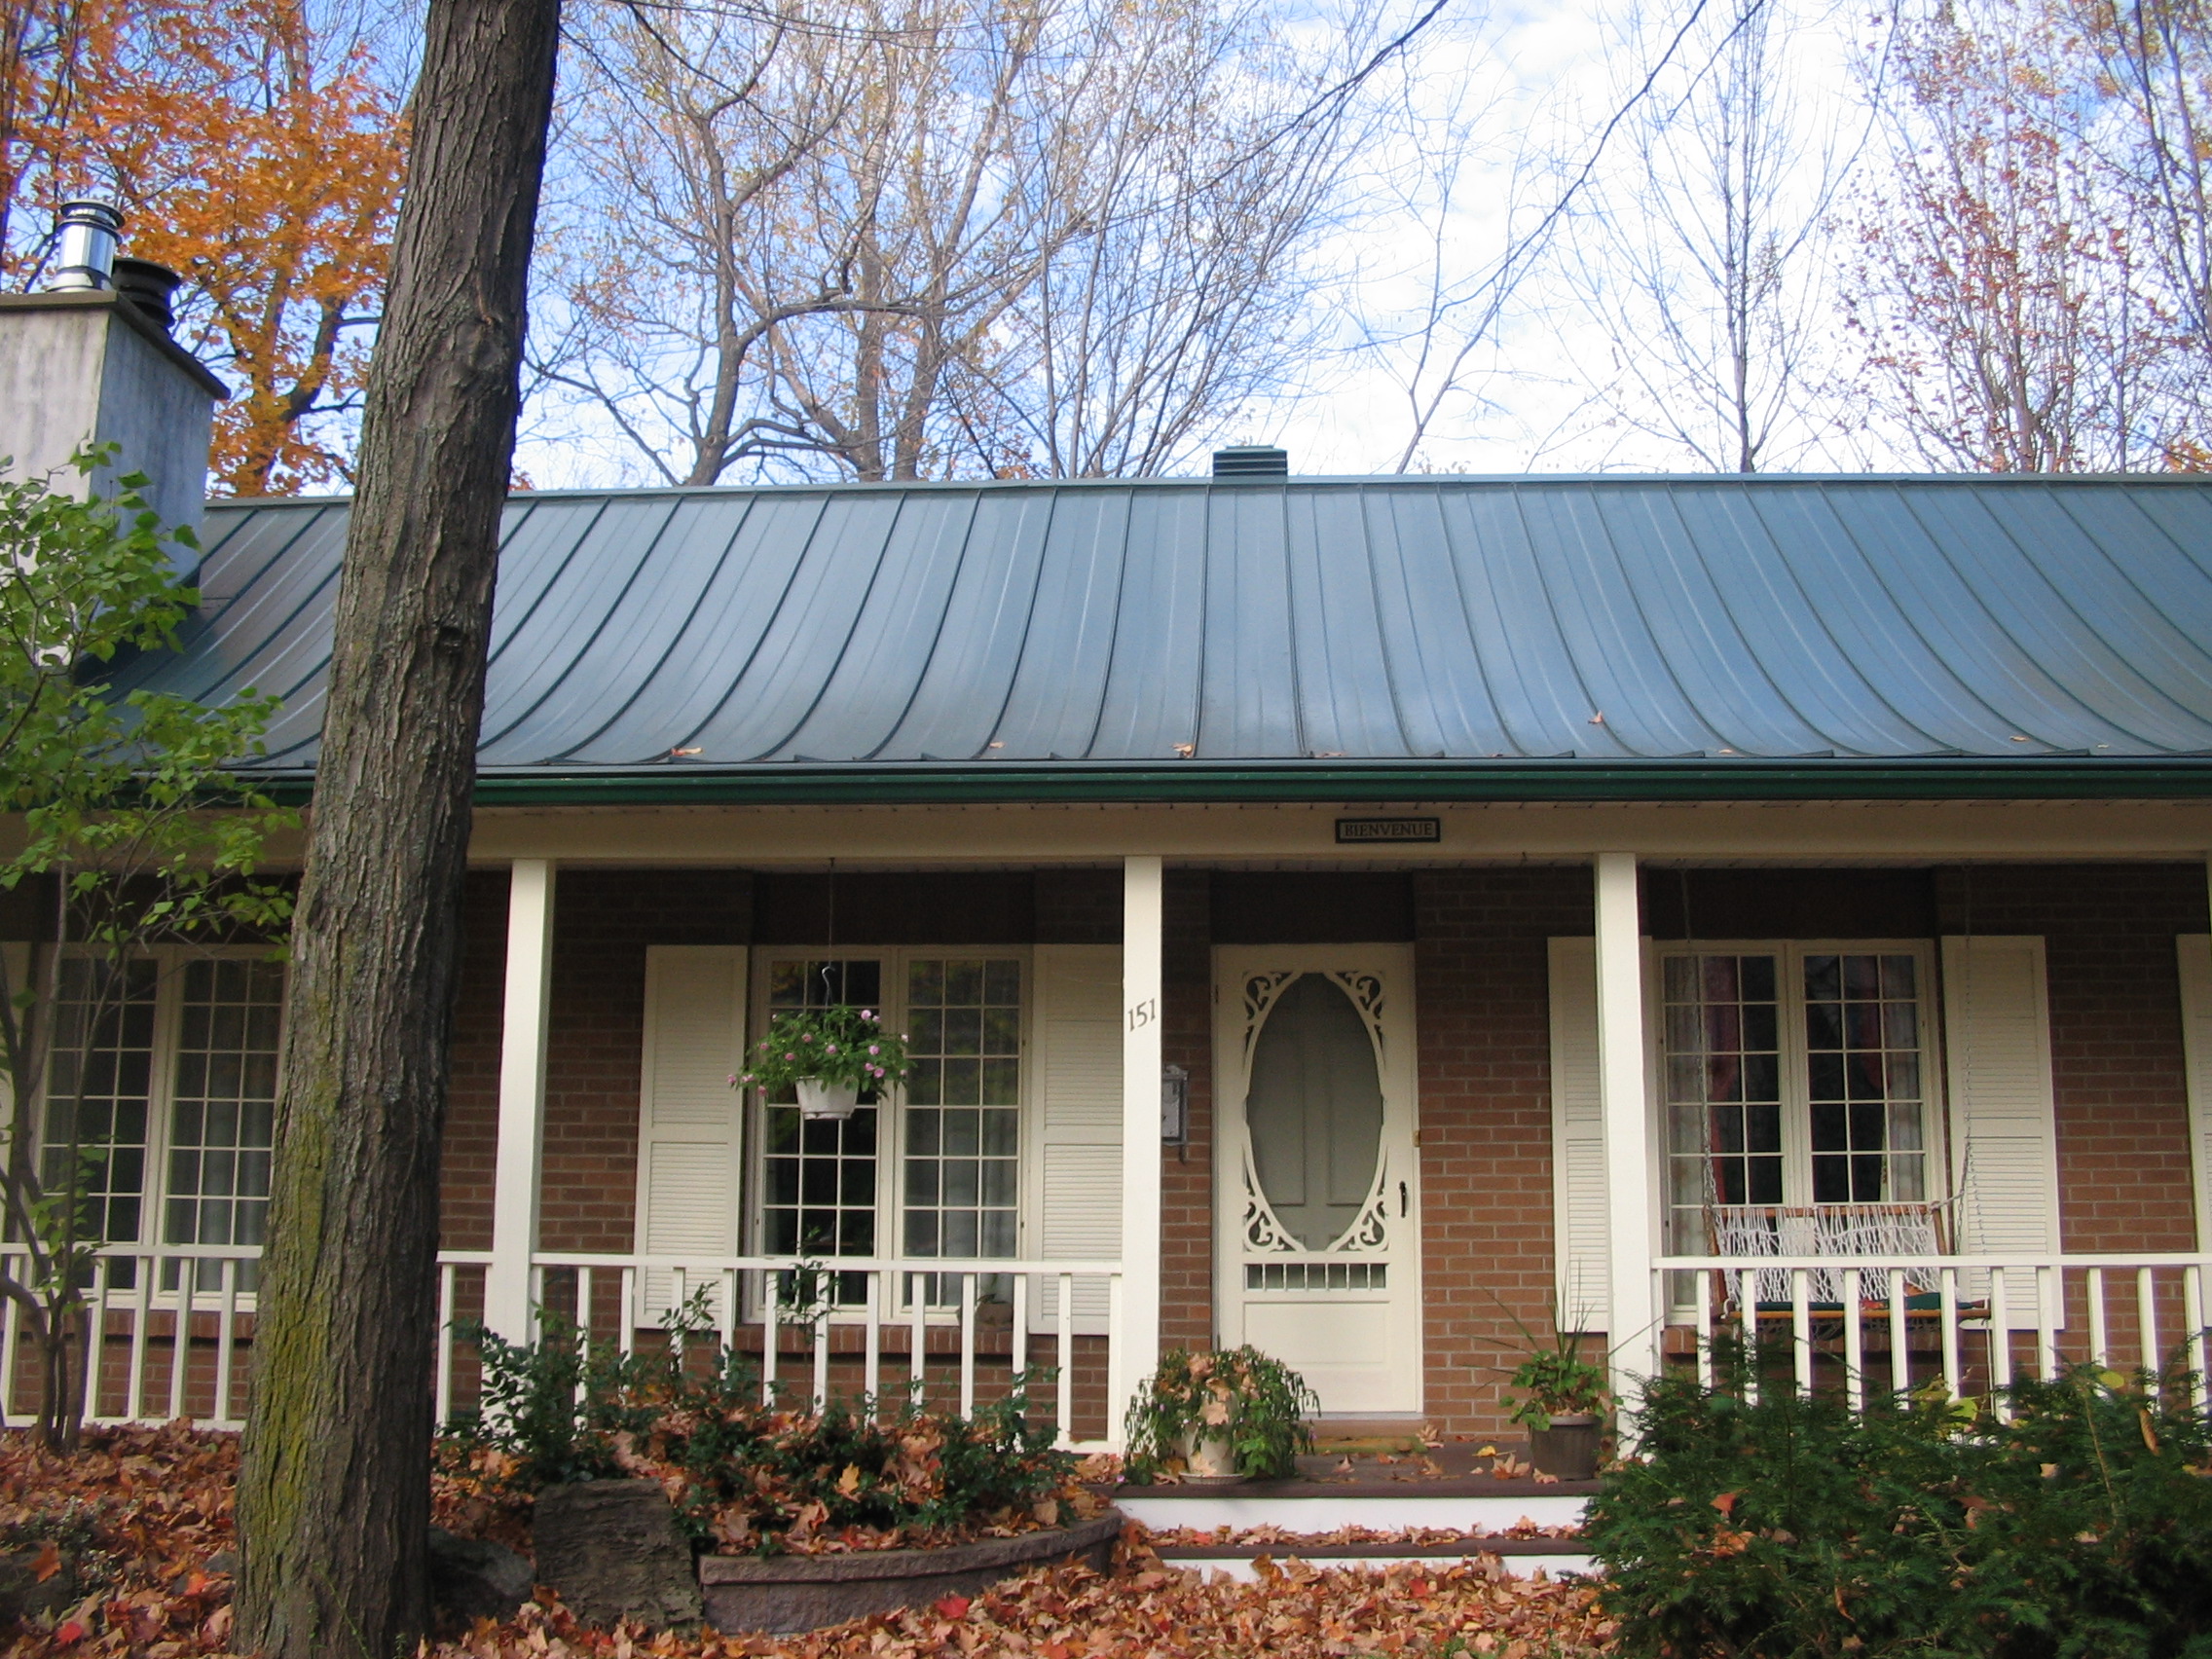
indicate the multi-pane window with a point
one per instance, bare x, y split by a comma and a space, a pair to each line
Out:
1793, 1075
1863, 1071
819, 1174
956, 1129
1724, 1083
962, 1106
223, 1109
100, 1090
162, 1089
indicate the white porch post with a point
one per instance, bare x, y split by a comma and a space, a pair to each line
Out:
522, 1098
1632, 1321
1136, 1355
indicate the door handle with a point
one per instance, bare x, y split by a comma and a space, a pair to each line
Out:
1402, 1198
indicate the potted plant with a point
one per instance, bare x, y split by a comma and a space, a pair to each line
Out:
826, 1056
1563, 1401
1226, 1416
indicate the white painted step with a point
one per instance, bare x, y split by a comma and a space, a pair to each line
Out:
1565, 1563
1325, 1511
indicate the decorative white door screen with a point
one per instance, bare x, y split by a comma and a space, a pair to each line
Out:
1317, 1196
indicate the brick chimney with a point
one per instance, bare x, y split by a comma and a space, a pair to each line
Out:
91, 360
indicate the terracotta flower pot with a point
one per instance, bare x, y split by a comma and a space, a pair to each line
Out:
1569, 1448
831, 1100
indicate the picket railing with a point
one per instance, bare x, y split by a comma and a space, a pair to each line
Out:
171, 1327
1974, 1322
885, 1324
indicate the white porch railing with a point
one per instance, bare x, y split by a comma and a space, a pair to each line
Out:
170, 1337
173, 1326
1978, 1322
886, 1315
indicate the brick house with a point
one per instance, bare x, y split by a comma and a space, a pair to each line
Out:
1347, 915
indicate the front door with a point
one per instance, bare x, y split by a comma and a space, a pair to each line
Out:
1317, 1194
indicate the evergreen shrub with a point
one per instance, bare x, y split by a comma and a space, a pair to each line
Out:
2079, 1527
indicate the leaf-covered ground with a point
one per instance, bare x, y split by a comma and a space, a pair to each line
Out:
137, 1531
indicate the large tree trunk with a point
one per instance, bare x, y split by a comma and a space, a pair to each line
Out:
333, 1501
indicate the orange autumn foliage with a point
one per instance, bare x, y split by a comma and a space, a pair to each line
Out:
264, 164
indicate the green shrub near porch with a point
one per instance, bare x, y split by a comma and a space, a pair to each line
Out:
1791, 1527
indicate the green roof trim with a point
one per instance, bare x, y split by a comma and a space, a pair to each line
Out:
817, 783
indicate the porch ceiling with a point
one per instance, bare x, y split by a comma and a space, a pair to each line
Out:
1350, 641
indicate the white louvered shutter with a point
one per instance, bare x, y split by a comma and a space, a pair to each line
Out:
1578, 1135
2004, 1122
1076, 1068
690, 1141
2195, 953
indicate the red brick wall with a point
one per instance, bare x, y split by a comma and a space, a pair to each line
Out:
602, 920
1481, 976
472, 1102
1186, 1183
2123, 1161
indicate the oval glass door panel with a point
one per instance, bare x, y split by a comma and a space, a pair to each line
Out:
1314, 1111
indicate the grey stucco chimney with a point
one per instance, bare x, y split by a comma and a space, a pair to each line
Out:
84, 364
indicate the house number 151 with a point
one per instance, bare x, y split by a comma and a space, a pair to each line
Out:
1144, 1013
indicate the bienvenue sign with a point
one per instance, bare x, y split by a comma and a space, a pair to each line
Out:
1390, 830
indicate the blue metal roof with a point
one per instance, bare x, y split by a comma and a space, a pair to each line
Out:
1164, 623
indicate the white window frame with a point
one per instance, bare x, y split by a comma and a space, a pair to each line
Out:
160, 1101
1795, 1062
891, 1125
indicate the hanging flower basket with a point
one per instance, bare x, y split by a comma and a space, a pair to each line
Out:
834, 1101
827, 1056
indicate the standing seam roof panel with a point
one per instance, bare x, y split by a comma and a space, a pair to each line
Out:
1151, 704
1702, 650
1385, 618
1829, 531
1444, 702
1058, 688
1345, 705
678, 561
2040, 613
710, 652
978, 643
1785, 634
1630, 681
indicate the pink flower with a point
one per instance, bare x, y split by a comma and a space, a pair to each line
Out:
791, 1056
867, 1013
874, 1049
832, 1049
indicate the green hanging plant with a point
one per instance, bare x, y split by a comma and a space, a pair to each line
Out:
837, 1046
1258, 1404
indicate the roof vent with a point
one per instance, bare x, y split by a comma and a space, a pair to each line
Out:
86, 258
1251, 461
147, 288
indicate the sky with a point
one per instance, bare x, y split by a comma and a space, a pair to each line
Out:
1526, 87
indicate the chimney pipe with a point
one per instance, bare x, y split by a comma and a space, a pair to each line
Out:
87, 231
1251, 461
148, 289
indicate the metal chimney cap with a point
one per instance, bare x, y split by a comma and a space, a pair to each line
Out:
1251, 461
149, 288
86, 233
